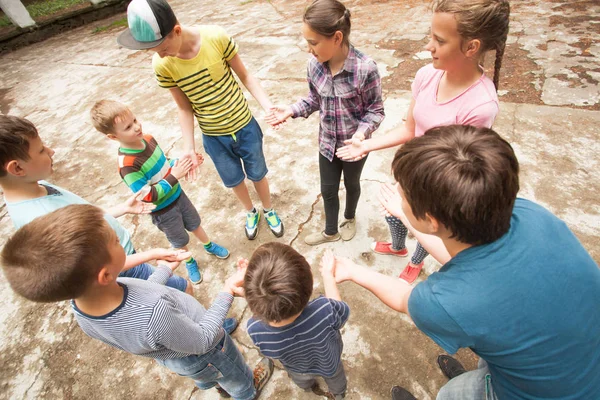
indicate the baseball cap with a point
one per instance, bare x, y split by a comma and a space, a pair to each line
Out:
150, 22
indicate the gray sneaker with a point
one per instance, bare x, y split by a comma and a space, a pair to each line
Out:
348, 229
262, 374
320, 237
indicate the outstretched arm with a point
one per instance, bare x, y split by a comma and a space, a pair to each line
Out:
393, 292
328, 274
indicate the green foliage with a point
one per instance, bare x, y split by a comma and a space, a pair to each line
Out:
43, 8
118, 23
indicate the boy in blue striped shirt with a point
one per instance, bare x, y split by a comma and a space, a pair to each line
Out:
75, 255
304, 336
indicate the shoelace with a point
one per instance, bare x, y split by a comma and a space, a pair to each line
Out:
259, 373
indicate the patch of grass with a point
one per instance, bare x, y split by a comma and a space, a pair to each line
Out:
243, 3
118, 23
43, 8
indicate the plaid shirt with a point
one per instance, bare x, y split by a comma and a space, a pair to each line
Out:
349, 102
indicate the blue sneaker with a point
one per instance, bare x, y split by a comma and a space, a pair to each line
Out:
217, 251
229, 325
193, 272
252, 220
275, 224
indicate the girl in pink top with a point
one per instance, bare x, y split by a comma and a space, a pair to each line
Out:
451, 90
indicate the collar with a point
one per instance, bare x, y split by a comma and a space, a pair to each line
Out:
350, 63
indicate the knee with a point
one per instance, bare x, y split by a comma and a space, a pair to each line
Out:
329, 192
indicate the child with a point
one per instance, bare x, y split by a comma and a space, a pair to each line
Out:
451, 90
195, 64
345, 87
24, 164
143, 318
520, 289
304, 336
144, 167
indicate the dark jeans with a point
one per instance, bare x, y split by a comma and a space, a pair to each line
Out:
331, 174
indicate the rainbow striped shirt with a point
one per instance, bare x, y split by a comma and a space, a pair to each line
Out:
149, 169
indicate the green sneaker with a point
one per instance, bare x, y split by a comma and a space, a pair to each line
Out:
275, 224
252, 220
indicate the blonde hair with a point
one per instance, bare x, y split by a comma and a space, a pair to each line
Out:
326, 17
486, 20
105, 114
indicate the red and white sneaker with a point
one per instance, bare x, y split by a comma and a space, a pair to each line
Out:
411, 272
386, 249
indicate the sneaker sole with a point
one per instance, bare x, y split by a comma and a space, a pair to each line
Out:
323, 241
219, 257
390, 254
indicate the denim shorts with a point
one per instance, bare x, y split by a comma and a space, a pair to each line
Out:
223, 365
237, 156
176, 220
143, 271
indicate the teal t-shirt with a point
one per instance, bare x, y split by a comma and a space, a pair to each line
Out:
528, 304
25, 211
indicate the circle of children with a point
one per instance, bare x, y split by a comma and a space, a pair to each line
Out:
516, 286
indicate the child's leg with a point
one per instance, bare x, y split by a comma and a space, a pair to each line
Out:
352, 173
241, 192
419, 255
338, 383
264, 193
331, 174
303, 381
398, 232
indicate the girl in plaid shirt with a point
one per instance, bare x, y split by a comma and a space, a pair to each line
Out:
345, 87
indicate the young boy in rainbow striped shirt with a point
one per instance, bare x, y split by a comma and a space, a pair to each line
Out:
144, 167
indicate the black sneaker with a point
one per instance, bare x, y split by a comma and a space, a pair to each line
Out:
399, 393
262, 374
451, 367
222, 393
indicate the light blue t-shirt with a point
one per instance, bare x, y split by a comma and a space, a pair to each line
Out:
528, 304
25, 211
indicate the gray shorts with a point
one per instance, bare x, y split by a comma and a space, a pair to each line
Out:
176, 220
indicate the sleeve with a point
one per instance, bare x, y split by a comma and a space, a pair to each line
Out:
482, 116
226, 44
373, 102
136, 180
171, 328
308, 105
433, 320
161, 275
341, 312
161, 73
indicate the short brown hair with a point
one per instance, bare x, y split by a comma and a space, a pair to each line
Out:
278, 282
57, 256
465, 177
105, 113
326, 17
15, 134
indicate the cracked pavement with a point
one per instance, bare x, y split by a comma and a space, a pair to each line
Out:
550, 112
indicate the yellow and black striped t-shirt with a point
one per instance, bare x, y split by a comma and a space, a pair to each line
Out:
207, 80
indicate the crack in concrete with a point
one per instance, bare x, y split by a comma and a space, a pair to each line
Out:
312, 212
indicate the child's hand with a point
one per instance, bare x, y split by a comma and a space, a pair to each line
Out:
390, 200
181, 167
358, 137
199, 158
328, 265
343, 269
192, 174
354, 150
133, 205
173, 265
171, 255
277, 115
235, 283
242, 263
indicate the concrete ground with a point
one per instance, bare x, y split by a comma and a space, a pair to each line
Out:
550, 112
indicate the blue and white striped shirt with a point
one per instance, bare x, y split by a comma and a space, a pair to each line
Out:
312, 344
158, 321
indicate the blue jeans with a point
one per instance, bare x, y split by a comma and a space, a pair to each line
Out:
472, 385
143, 271
229, 151
224, 365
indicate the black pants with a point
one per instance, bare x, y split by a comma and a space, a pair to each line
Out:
331, 174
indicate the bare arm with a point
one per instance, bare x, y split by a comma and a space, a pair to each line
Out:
393, 292
327, 272
251, 83
169, 255
186, 122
